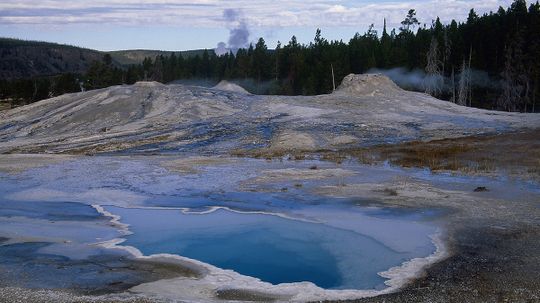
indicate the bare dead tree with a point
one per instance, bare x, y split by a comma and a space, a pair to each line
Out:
278, 53
469, 77
534, 93
524, 79
333, 78
434, 80
464, 92
34, 94
453, 86
463, 85
447, 50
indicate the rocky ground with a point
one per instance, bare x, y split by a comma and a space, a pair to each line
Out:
492, 232
490, 263
151, 117
493, 239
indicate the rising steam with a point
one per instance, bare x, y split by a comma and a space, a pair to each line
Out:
418, 80
238, 32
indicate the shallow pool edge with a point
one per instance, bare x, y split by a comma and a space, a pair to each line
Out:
214, 279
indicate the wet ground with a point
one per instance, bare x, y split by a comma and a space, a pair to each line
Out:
50, 226
56, 220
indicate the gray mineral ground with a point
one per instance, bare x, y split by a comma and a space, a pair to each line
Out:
69, 162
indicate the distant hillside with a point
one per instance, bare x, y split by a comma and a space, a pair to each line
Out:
127, 57
23, 59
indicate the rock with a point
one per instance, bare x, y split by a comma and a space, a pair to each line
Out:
293, 141
230, 87
149, 84
343, 140
368, 85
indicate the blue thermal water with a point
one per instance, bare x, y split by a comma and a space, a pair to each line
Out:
347, 251
268, 247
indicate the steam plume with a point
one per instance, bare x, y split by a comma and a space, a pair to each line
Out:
418, 79
238, 32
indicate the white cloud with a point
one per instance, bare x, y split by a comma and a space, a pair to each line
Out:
208, 13
338, 9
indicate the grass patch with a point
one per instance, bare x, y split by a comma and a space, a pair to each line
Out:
512, 153
516, 152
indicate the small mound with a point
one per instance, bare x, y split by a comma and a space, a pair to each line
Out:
149, 84
368, 85
230, 87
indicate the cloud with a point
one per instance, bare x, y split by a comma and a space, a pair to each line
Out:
210, 13
338, 9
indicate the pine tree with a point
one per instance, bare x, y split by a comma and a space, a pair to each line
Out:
277, 56
261, 62
385, 48
157, 70
410, 22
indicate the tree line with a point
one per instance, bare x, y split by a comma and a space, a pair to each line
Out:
489, 61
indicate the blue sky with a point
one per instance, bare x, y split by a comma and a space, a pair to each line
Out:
182, 25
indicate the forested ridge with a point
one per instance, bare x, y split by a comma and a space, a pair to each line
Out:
489, 61
24, 59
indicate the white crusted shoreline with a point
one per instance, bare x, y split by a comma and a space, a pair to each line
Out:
215, 279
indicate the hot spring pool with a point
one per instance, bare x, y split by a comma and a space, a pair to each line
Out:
269, 247
345, 244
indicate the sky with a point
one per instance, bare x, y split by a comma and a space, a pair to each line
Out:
183, 25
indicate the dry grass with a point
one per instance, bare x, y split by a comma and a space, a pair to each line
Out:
4, 106
517, 152
514, 153
435, 155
